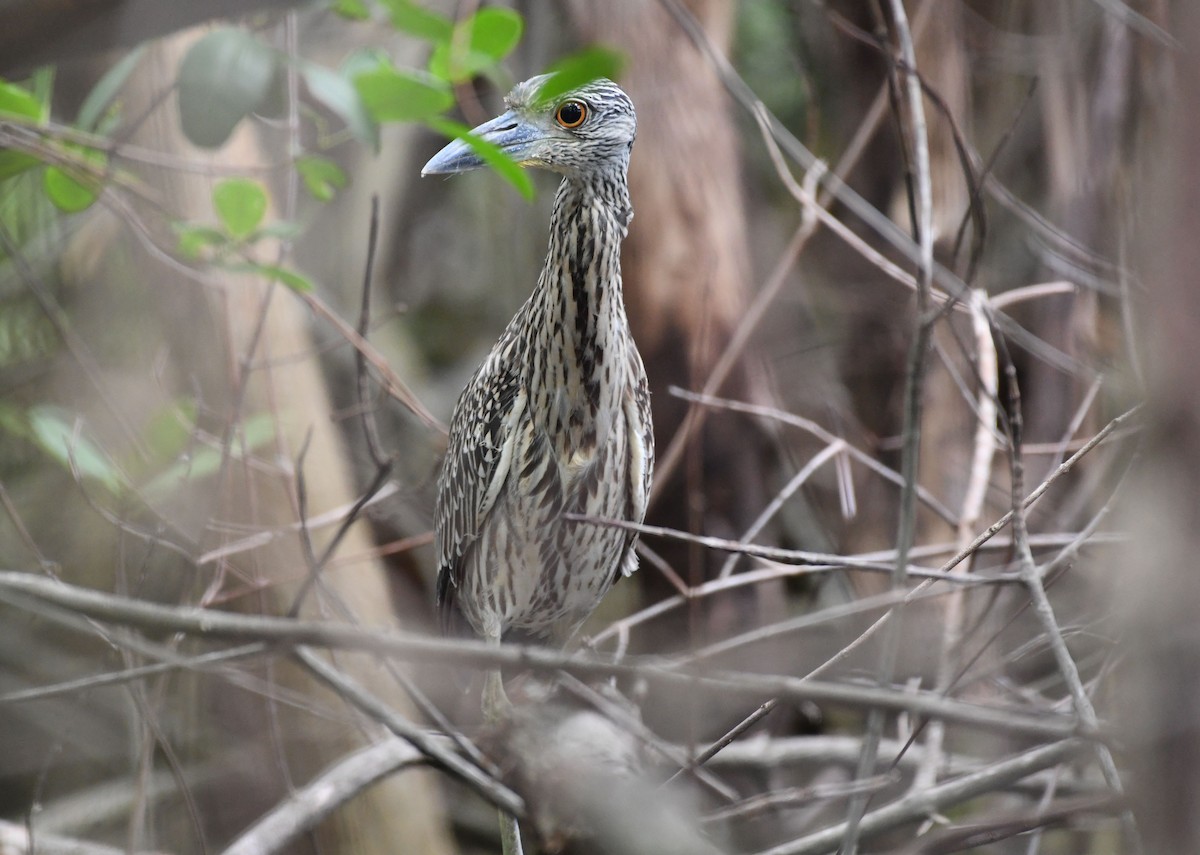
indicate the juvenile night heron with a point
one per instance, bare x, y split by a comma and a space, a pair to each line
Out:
557, 418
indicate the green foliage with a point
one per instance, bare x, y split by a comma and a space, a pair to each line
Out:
61, 437
352, 10
241, 205
409, 17
321, 176
493, 156
225, 76
255, 432
20, 102
68, 194
338, 94
393, 95
476, 44
580, 68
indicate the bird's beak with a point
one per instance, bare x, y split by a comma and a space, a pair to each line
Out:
508, 132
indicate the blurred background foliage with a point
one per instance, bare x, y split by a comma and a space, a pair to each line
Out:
184, 211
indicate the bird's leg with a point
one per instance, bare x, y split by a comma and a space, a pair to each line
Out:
496, 709
496, 705
510, 835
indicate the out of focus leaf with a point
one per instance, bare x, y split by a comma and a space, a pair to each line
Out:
240, 205
15, 162
224, 77
18, 101
393, 95
579, 69
54, 431
354, 10
491, 154
68, 194
321, 176
339, 95
193, 238
411, 18
296, 281
478, 43
255, 432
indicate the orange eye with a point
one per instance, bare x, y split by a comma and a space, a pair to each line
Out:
571, 114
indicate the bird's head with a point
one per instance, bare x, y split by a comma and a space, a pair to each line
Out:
583, 132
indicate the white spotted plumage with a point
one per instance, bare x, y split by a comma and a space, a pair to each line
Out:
556, 420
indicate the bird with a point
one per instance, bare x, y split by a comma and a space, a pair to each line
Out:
556, 421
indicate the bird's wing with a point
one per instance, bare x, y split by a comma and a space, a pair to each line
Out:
482, 436
641, 454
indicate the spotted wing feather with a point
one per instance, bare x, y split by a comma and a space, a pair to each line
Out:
474, 470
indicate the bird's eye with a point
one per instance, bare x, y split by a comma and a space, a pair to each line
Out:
571, 114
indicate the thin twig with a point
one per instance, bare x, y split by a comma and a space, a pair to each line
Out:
304, 808
215, 624
918, 805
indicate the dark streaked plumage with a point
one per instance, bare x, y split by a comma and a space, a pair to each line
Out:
557, 418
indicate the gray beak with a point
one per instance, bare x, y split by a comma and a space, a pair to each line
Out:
508, 132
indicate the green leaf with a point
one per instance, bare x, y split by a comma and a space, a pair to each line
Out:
581, 68
494, 31
224, 77
68, 194
107, 88
240, 205
492, 155
321, 176
18, 101
194, 238
478, 43
54, 430
296, 281
353, 10
256, 431
170, 429
392, 95
72, 190
340, 96
418, 21
15, 162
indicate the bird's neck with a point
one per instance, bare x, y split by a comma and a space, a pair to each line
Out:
581, 329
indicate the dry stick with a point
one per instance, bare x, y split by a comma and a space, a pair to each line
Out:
1041, 603
824, 561
928, 499
814, 206
773, 571
302, 809
16, 838
485, 785
972, 507
766, 708
922, 201
1029, 500
627, 720
789, 489
125, 675
917, 805
875, 220
18, 588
